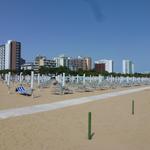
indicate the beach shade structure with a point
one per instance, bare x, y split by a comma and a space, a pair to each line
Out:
38, 80
83, 79
90, 79
56, 78
72, 79
8, 82
20, 78
43, 81
77, 78
133, 79
111, 78
58, 89
127, 80
99, 79
32, 79
21, 90
63, 80
60, 78
8, 79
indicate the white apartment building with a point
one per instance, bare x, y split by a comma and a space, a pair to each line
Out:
2, 57
10, 55
7, 54
128, 67
109, 65
61, 60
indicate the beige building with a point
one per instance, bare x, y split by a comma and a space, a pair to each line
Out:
83, 63
88, 62
43, 61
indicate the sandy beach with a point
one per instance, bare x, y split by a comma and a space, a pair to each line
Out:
43, 96
74, 75
114, 126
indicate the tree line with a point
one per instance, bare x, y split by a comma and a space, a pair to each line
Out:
67, 71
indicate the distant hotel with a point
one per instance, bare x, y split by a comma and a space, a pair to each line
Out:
62, 60
74, 64
83, 63
104, 65
10, 55
128, 67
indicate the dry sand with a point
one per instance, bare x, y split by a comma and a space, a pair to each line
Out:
114, 126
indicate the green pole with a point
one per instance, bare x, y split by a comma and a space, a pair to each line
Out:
89, 126
132, 107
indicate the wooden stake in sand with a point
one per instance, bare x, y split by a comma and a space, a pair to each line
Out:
89, 126
132, 107
8, 82
32, 82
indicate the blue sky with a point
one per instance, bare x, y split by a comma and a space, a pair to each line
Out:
111, 29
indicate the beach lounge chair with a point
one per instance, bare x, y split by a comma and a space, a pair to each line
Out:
21, 90
67, 91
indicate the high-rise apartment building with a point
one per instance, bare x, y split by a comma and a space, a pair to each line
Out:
99, 67
128, 67
83, 63
10, 55
108, 65
43, 61
62, 60
88, 62
2, 57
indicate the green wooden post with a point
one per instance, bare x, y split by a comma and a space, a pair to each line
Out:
132, 107
89, 126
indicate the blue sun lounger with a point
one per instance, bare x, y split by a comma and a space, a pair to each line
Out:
21, 90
